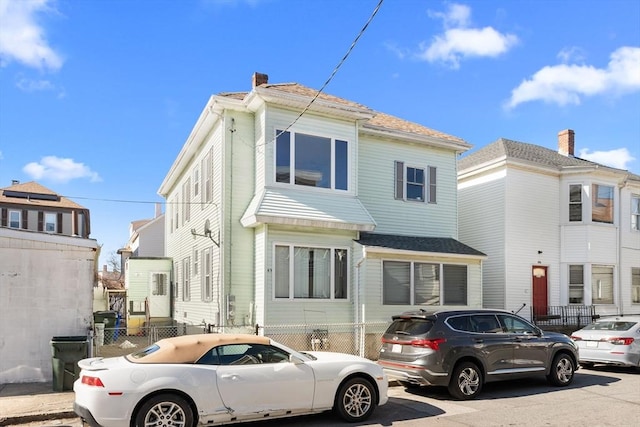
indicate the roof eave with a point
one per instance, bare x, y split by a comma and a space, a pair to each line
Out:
458, 145
252, 221
386, 250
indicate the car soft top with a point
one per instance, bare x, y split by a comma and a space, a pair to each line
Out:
189, 348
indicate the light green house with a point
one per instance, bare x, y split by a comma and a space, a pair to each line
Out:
285, 206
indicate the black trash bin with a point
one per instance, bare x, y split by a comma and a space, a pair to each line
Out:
110, 319
66, 352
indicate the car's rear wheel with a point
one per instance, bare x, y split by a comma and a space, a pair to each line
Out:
165, 410
562, 370
466, 381
356, 400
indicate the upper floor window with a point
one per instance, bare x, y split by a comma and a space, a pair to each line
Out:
305, 272
207, 284
15, 219
196, 182
311, 160
186, 201
411, 183
575, 202
50, 222
635, 212
602, 203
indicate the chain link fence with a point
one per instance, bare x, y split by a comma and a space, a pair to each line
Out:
363, 339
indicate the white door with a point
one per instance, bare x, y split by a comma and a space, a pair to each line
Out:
159, 294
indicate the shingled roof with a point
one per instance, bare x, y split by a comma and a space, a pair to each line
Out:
34, 194
514, 150
443, 245
379, 120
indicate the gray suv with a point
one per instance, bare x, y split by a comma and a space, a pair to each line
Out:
463, 349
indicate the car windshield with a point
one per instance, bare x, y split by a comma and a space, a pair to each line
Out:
410, 326
611, 325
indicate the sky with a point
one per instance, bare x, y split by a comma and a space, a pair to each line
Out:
97, 97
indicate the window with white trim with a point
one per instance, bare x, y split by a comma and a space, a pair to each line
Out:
15, 219
602, 203
207, 285
411, 183
576, 284
601, 284
196, 182
310, 272
575, 202
186, 276
635, 285
635, 212
195, 261
186, 201
415, 283
175, 280
311, 160
159, 284
50, 222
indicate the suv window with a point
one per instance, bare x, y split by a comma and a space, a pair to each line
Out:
410, 326
485, 323
513, 325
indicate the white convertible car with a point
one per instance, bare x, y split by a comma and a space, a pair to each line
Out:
214, 379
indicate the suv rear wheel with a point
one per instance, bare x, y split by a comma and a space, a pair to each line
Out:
466, 381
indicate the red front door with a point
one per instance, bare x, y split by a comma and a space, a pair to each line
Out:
540, 291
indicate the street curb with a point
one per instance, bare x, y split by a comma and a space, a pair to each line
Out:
23, 419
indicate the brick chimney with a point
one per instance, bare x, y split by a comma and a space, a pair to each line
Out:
566, 142
260, 79
158, 210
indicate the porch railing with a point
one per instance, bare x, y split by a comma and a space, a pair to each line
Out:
564, 315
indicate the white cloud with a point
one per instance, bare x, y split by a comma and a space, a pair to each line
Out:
22, 38
29, 85
567, 84
618, 158
460, 41
61, 170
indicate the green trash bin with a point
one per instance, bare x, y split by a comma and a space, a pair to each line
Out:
109, 318
66, 352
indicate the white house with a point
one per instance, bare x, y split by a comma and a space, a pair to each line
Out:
289, 206
47, 273
561, 233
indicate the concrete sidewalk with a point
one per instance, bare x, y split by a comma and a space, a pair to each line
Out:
29, 402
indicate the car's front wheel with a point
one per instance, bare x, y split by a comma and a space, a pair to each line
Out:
355, 400
562, 370
466, 381
165, 410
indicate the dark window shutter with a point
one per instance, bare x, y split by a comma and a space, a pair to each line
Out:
399, 193
25, 219
432, 184
74, 221
4, 217
59, 222
40, 221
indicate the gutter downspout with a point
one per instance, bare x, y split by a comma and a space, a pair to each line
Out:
356, 304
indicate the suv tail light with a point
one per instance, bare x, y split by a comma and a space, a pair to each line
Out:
92, 381
433, 344
620, 341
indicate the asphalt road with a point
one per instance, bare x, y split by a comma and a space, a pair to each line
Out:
599, 397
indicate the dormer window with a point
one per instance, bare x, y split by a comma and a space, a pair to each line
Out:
311, 160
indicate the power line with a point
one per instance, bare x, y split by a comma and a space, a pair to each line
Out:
335, 70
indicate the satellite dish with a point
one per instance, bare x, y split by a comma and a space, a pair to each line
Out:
206, 233
207, 228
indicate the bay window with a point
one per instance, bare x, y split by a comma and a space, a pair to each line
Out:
414, 283
635, 212
602, 285
602, 203
576, 284
575, 202
312, 161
